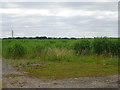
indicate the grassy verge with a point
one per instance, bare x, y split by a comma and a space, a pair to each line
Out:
84, 66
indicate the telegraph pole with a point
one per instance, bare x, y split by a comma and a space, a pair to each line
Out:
12, 33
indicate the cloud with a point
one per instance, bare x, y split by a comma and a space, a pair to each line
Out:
60, 19
60, 1
64, 12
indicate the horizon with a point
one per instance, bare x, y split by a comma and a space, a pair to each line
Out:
45, 37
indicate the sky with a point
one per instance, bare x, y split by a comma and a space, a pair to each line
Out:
59, 19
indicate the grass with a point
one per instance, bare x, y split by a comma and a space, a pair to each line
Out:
59, 58
84, 66
58, 71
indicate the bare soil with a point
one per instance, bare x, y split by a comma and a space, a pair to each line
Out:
14, 79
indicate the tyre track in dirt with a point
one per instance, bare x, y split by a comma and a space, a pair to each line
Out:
14, 79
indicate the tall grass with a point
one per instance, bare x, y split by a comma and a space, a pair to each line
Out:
58, 54
114, 47
106, 46
82, 47
15, 51
101, 45
58, 49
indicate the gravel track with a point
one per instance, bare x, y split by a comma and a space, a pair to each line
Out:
14, 79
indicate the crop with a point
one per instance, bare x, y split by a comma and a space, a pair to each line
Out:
82, 47
15, 51
45, 49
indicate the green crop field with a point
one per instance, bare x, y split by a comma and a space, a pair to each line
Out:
63, 58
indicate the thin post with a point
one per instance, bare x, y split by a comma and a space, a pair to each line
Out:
12, 33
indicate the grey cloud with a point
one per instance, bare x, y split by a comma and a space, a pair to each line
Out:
112, 6
77, 26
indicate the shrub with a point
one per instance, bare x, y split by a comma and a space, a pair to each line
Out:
36, 51
38, 48
115, 47
101, 45
16, 50
82, 47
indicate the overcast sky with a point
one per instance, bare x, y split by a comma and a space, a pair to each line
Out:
60, 19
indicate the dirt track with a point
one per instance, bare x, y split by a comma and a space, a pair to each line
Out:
14, 79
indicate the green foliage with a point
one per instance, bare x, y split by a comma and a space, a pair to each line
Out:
114, 47
57, 54
37, 50
60, 58
101, 45
83, 66
48, 49
16, 50
106, 46
82, 47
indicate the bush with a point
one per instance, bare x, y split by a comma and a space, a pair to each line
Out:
36, 51
101, 45
82, 47
115, 47
16, 50
38, 48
